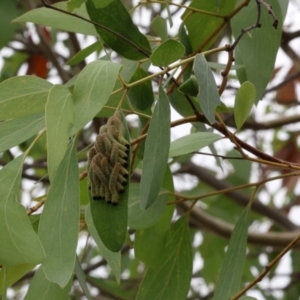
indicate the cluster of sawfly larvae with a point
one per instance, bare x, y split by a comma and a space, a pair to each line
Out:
108, 160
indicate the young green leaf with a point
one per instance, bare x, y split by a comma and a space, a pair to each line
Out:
72, 4
122, 35
167, 53
52, 18
263, 41
192, 142
92, 90
16, 131
16, 248
244, 100
41, 288
113, 258
23, 96
59, 119
156, 152
171, 278
59, 222
228, 285
82, 54
141, 96
159, 26
208, 92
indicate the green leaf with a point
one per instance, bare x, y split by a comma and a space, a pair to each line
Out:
13, 274
201, 26
111, 221
81, 279
52, 18
72, 4
82, 54
59, 222
113, 258
59, 119
264, 42
8, 11
156, 152
167, 53
192, 142
121, 34
138, 218
228, 285
190, 87
22, 96
208, 92
102, 3
41, 288
244, 100
247, 298
159, 26
16, 248
141, 96
92, 90
16, 131
171, 278
157, 233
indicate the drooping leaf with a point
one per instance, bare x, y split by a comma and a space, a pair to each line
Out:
138, 218
81, 279
159, 26
84, 53
244, 100
16, 248
264, 42
13, 274
59, 222
52, 18
200, 25
113, 258
167, 53
157, 233
141, 96
156, 152
171, 278
120, 33
23, 96
92, 90
111, 221
208, 92
59, 119
16, 131
192, 142
41, 288
228, 285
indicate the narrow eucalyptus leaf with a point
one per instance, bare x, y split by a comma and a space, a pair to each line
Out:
228, 285
59, 222
208, 92
156, 152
